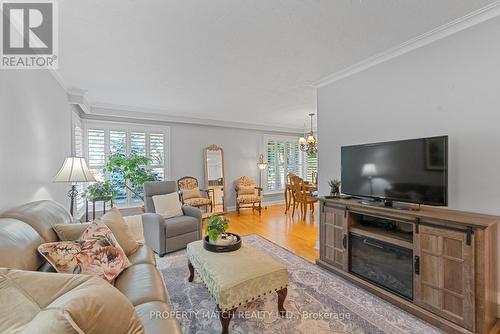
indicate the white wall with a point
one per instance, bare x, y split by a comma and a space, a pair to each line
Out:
449, 87
241, 152
242, 149
34, 137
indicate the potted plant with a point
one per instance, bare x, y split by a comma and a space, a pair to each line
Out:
216, 230
99, 191
134, 170
334, 187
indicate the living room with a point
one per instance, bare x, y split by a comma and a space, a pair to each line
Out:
154, 129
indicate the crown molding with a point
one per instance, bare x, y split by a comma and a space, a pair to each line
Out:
476, 17
57, 76
123, 113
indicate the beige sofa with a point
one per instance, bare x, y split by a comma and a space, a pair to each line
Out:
24, 228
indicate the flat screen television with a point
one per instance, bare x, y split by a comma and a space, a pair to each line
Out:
414, 171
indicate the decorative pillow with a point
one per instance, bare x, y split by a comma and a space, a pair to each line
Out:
113, 219
168, 205
96, 252
191, 193
246, 190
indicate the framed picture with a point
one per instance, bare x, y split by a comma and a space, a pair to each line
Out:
435, 154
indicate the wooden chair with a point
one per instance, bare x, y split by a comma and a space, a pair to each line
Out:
288, 192
247, 194
301, 196
191, 194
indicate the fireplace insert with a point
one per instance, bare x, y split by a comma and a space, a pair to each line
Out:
384, 264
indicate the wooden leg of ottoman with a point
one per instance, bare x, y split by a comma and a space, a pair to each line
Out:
191, 271
225, 317
281, 299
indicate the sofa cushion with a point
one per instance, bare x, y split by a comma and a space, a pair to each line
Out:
141, 283
35, 302
181, 225
114, 220
157, 317
246, 190
97, 253
41, 215
191, 193
168, 205
70, 232
18, 245
143, 254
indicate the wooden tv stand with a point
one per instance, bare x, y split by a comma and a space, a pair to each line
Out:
454, 273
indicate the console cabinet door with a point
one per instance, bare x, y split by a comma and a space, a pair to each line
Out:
445, 283
334, 237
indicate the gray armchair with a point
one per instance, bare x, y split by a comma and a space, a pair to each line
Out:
168, 235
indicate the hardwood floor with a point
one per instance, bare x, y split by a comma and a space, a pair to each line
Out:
292, 233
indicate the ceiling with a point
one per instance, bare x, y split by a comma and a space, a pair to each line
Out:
250, 61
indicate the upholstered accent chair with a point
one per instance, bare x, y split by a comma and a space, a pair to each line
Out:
248, 195
192, 195
171, 234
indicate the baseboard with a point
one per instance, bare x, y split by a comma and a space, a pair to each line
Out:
264, 203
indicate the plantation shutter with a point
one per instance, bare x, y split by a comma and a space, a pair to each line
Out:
97, 152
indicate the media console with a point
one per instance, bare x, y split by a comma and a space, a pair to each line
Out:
436, 263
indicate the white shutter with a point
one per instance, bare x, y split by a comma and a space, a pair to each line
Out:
157, 154
96, 149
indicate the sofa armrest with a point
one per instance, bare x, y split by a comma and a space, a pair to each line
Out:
154, 232
196, 213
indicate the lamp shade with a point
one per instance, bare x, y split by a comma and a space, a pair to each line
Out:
369, 170
74, 169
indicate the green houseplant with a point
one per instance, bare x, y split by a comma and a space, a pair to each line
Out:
98, 191
134, 170
334, 187
217, 226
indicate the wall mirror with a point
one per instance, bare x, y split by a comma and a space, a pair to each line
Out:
214, 177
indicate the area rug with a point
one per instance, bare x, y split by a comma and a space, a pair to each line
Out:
318, 302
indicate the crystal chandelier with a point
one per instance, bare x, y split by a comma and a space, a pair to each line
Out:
309, 145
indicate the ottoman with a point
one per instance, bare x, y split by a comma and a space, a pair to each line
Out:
236, 278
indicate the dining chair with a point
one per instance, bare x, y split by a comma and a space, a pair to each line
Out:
288, 192
302, 196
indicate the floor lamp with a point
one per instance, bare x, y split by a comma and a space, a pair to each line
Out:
74, 170
262, 164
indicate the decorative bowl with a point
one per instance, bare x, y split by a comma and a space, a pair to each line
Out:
222, 248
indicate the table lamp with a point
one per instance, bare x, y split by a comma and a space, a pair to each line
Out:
74, 170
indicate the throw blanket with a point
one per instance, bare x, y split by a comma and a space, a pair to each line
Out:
135, 227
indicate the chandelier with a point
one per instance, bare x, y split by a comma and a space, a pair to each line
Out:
309, 145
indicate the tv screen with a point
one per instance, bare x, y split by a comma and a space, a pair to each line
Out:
414, 170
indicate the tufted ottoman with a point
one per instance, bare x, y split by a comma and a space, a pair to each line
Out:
238, 277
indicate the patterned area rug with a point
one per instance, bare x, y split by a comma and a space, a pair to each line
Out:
317, 302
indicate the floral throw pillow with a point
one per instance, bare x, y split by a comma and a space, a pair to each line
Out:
96, 252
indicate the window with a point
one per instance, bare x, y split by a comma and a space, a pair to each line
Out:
284, 156
106, 138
